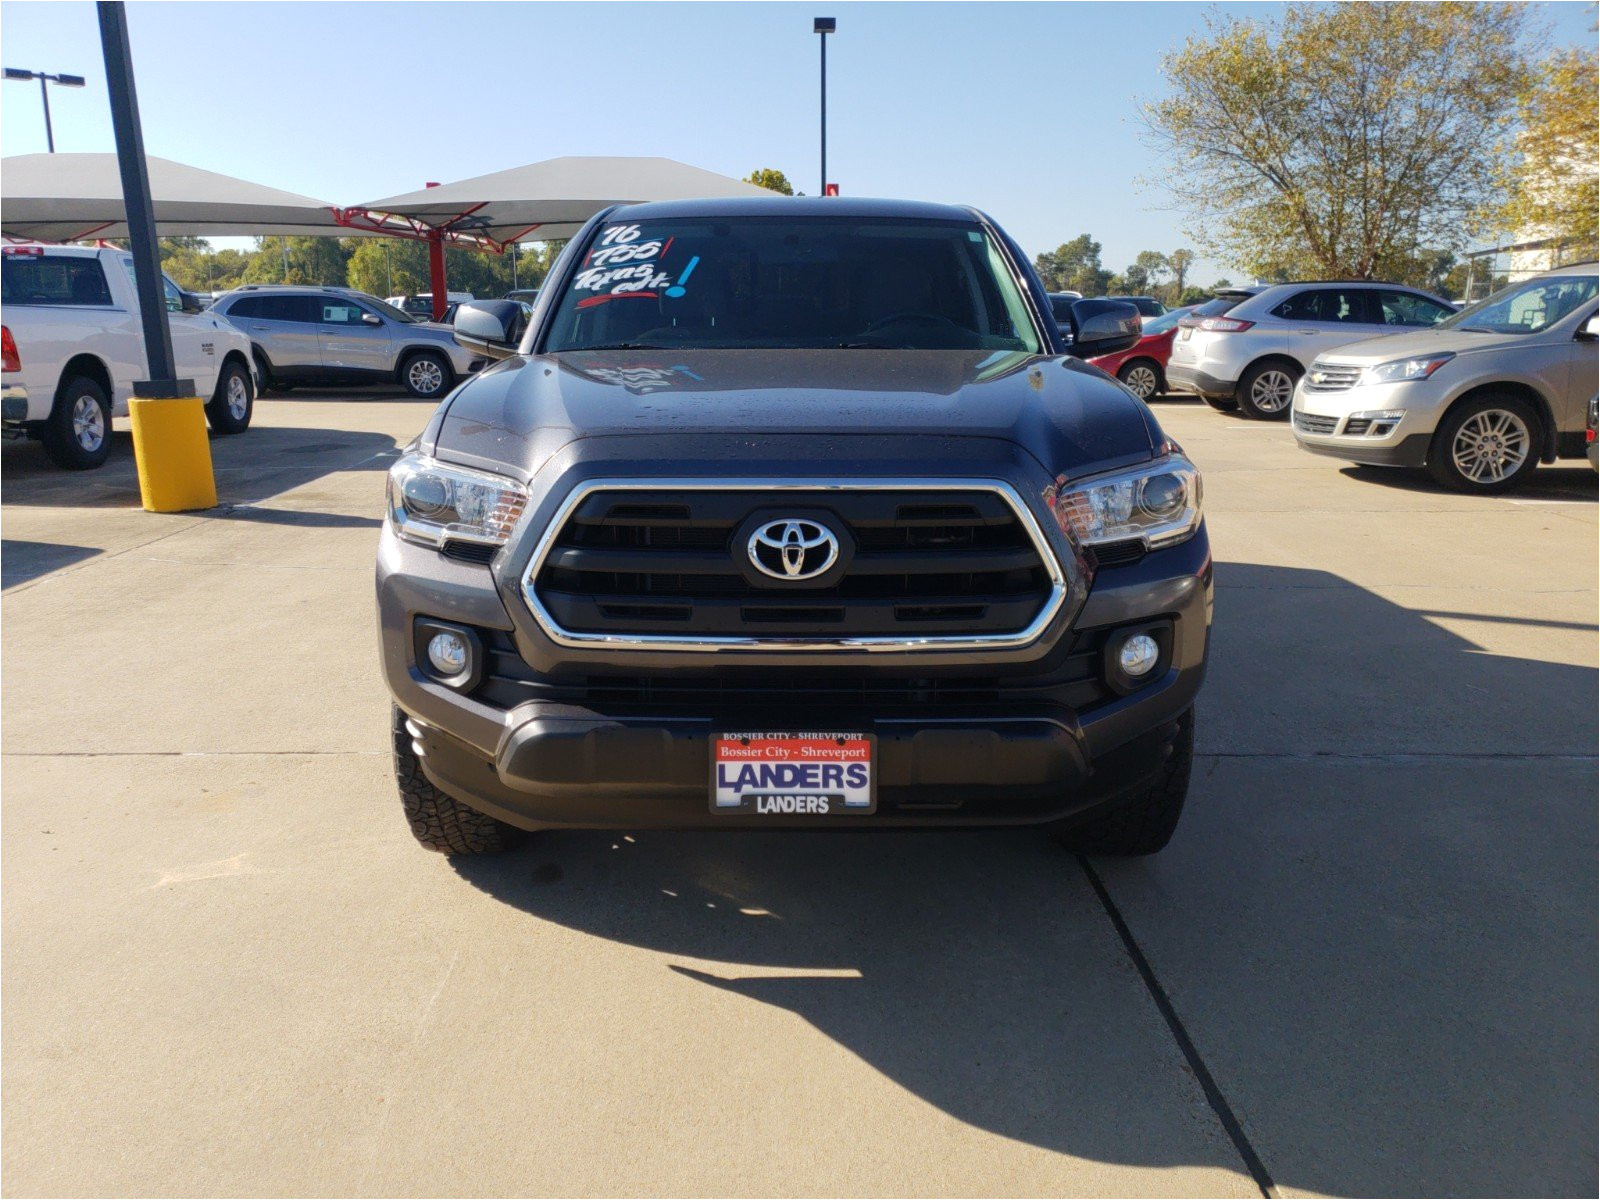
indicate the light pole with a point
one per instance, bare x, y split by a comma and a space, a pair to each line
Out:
45, 80
823, 26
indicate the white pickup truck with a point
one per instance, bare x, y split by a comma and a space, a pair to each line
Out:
73, 346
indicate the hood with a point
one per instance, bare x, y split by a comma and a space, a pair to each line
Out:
1068, 416
1416, 345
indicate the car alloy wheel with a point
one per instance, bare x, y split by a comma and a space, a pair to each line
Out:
88, 423
425, 376
238, 397
1490, 446
1272, 390
1141, 380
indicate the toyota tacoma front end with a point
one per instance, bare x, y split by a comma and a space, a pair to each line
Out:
793, 513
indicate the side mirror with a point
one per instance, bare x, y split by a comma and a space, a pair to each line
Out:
188, 302
1102, 327
1589, 331
371, 319
492, 328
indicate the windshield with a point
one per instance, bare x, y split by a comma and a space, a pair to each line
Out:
1525, 307
1164, 322
387, 309
802, 283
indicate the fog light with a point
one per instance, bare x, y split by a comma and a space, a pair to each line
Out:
1138, 655
447, 652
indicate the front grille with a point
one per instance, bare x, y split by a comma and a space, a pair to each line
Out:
1357, 426
1324, 377
1076, 681
1311, 423
472, 552
926, 563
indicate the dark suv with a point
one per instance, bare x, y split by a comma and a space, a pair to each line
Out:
793, 513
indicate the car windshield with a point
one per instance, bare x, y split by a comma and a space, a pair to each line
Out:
1525, 307
800, 283
387, 309
1164, 322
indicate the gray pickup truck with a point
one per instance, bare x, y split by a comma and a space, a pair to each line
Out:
793, 513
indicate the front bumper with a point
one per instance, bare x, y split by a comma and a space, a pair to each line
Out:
1330, 423
1021, 755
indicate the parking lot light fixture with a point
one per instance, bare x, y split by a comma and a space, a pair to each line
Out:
823, 26
45, 80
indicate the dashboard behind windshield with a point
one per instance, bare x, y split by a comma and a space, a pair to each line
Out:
801, 283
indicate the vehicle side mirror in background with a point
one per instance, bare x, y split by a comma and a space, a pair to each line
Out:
490, 327
1102, 327
1589, 331
190, 303
371, 319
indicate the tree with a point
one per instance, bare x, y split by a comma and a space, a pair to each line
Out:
772, 179
399, 267
1145, 273
1553, 185
317, 260
1074, 267
1180, 261
1337, 139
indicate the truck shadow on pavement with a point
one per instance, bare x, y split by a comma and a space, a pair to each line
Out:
1376, 922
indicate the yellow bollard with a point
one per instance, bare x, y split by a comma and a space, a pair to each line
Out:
172, 453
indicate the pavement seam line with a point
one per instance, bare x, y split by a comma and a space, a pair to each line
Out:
1180, 1035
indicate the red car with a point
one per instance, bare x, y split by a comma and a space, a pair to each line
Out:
1143, 366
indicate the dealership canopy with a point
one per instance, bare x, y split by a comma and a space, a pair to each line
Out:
71, 197
549, 200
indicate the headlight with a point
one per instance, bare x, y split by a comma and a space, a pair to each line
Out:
1159, 502
1404, 369
431, 503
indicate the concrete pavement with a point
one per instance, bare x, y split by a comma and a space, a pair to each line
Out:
227, 969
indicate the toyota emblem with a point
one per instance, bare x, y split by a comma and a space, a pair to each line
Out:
793, 549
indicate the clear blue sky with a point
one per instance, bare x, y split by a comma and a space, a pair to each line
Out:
1025, 110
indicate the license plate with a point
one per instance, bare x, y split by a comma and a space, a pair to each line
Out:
792, 774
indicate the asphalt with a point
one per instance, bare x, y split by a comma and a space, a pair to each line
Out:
1365, 965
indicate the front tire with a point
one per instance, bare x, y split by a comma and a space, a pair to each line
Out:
426, 375
1142, 377
1487, 445
1267, 390
1142, 823
234, 400
438, 821
77, 433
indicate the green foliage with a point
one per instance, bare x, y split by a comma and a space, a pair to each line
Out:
318, 260
772, 179
1192, 295
1554, 183
1074, 267
1337, 139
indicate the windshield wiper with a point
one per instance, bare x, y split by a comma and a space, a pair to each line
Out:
623, 346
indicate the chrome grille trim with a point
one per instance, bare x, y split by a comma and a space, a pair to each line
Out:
1313, 423
1331, 377
710, 643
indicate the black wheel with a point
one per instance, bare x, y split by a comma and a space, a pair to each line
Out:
1267, 390
1221, 403
233, 402
1142, 377
426, 375
438, 821
1144, 822
77, 433
1487, 445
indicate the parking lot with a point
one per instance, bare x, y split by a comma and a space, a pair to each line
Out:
1367, 960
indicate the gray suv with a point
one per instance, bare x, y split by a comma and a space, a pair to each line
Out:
330, 335
1247, 348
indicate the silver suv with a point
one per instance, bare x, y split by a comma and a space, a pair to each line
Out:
331, 335
1479, 401
1248, 347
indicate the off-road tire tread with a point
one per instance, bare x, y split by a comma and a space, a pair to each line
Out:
1144, 824
438, 821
